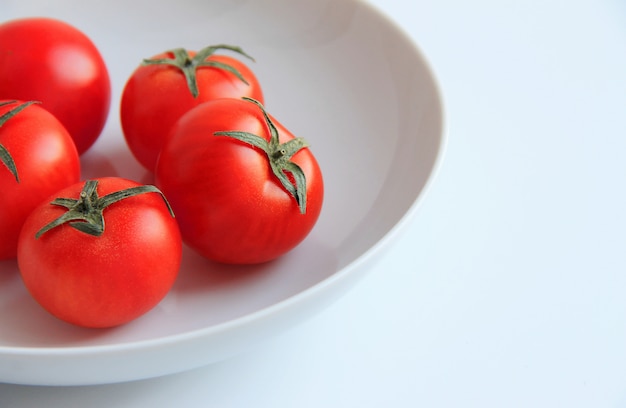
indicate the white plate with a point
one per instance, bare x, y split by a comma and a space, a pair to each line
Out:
335, 72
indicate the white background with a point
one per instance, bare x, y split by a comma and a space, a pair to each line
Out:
509, 287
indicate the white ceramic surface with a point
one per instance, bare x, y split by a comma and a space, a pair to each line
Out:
335, 72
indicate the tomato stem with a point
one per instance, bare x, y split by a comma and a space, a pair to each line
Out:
86, 213
279, 156
188, 65
5, 156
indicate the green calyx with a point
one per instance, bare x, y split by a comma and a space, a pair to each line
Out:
86, 213
188, 65
5, 156
279, 156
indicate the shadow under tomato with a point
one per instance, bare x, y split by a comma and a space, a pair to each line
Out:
305, 265
199, 273
94, 164
216, 293
8, 269
113, 162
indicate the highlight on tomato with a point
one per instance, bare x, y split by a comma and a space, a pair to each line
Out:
245, 190
169, 84
53, 62
38, 158
100, 253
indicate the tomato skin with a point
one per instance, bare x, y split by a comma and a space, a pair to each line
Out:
108, 280
46, 160
230, 206
53, 62
155, 96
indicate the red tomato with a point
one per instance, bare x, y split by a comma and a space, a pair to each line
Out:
230, 203
101, 280
163, 88
53, 62
39, 159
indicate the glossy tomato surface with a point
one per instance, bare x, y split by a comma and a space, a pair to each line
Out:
53, 62
155, 96
106, 280
230, 206
46, 161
